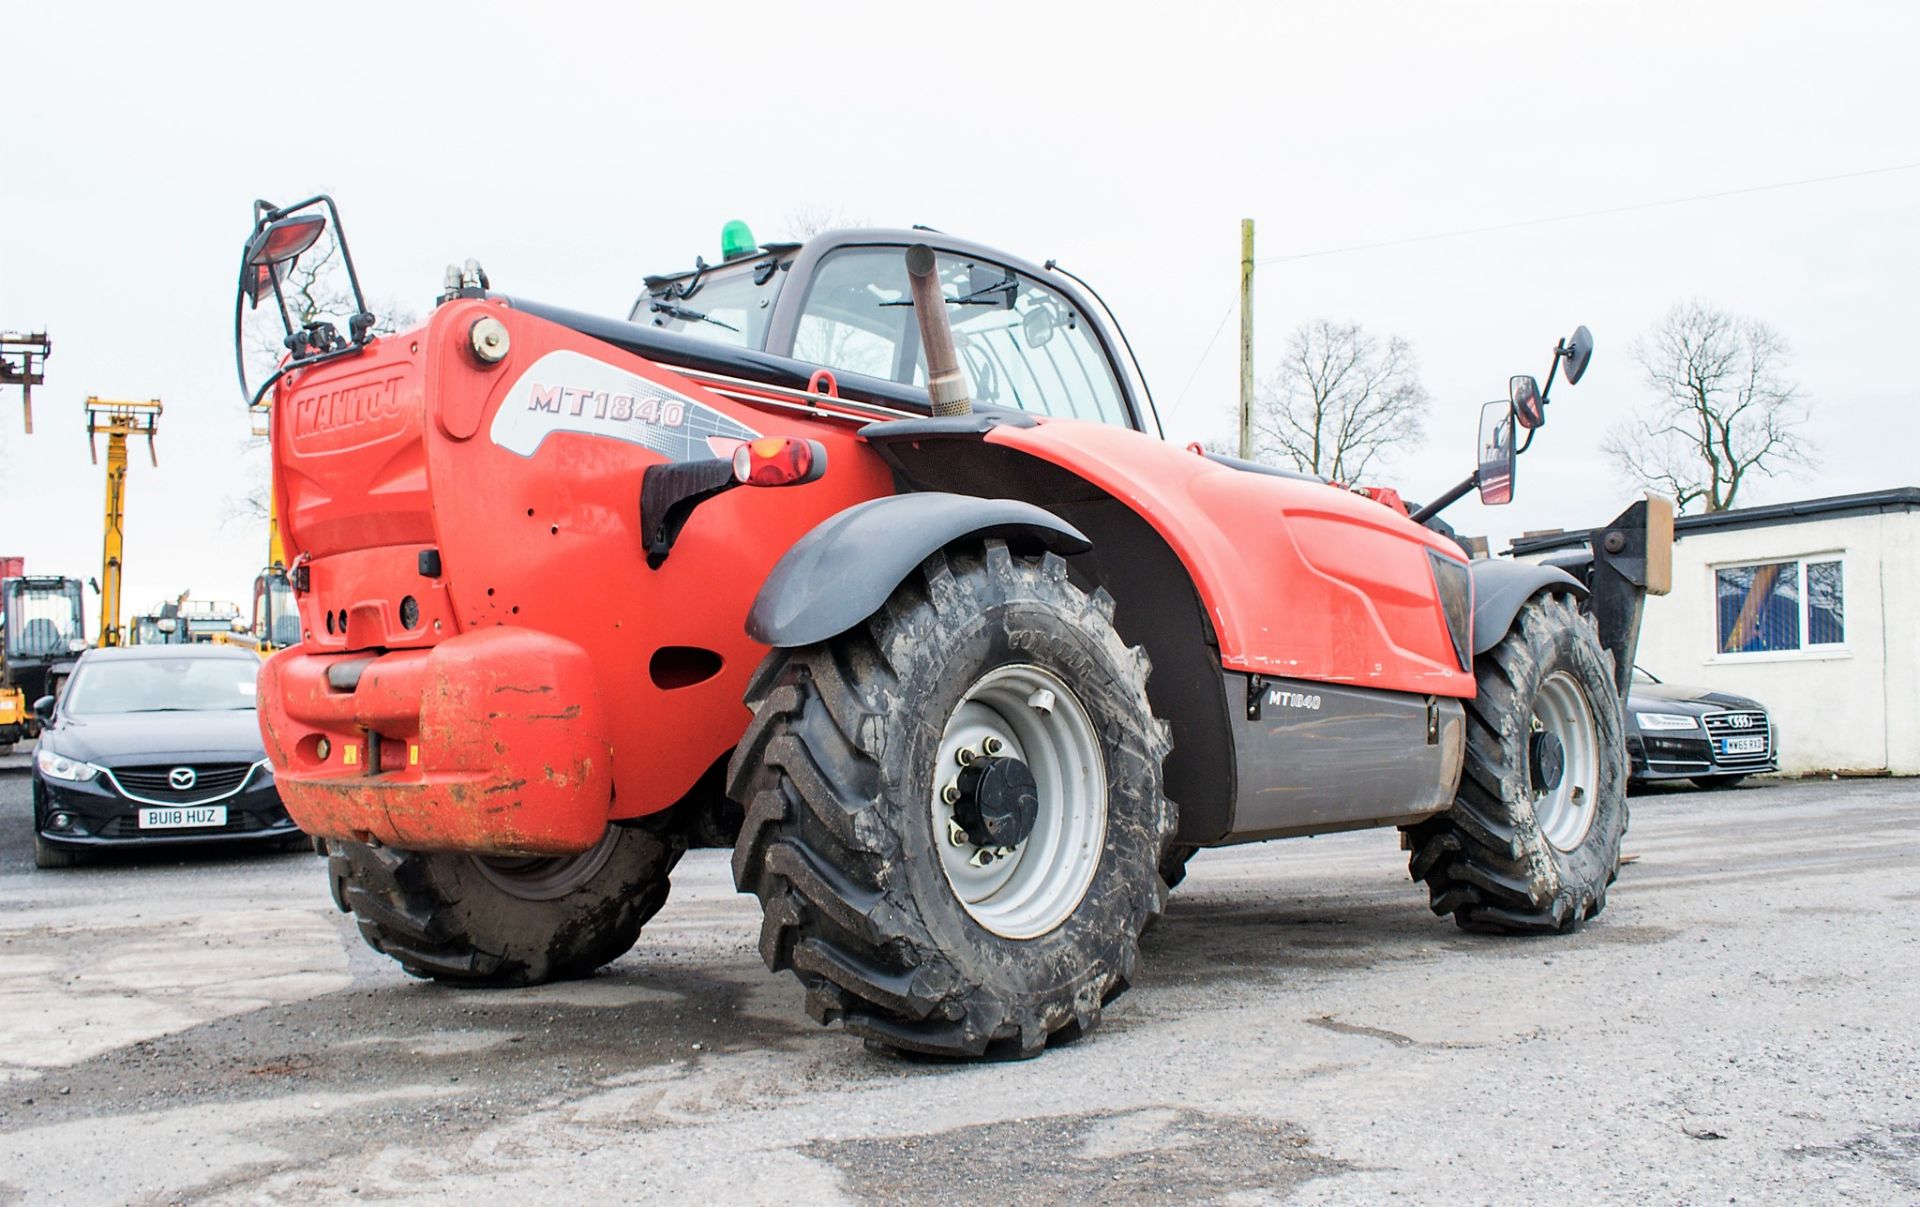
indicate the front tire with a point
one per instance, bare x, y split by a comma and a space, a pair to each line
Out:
499, 922
1526, 848
49, 855
917, 931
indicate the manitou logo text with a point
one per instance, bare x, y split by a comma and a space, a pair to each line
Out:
354, 413
606, 404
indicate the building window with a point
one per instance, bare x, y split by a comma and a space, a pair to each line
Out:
1773, 607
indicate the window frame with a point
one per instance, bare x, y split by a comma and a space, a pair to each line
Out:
1806, 650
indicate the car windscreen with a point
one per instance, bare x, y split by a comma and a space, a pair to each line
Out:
105, 688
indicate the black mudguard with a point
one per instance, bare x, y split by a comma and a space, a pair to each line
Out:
841, 572
1501, 588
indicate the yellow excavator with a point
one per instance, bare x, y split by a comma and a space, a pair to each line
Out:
117, 421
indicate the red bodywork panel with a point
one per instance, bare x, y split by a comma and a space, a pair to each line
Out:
386, 455
1299, 578
549, 680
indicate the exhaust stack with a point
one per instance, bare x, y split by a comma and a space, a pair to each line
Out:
946, 388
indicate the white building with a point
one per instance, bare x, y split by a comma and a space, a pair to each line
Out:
1811, 608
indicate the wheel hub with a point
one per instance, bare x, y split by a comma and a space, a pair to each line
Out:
1564, 761
1548, 759
998, 802
1019, 800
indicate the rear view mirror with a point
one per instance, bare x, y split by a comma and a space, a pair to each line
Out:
274, 249
1037, 327
1528, 408
1579, 352
43, 709
1495, 476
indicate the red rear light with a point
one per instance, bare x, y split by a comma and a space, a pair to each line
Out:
778, 461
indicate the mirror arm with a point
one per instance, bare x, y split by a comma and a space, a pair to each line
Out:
1453, 495
1560, 353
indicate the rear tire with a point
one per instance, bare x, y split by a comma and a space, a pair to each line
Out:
474, 921
48, 855
1514, 855
873, 895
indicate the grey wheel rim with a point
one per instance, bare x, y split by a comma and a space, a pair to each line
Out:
1027, 890
1565, 811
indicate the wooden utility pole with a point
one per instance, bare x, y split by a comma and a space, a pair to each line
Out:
1246, 338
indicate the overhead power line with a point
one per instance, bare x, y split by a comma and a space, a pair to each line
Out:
1600, 213
1526, 222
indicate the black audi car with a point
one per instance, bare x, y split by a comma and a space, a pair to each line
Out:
1716, 739
151, 746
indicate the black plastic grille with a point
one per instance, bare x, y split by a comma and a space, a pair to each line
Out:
1740, 723
151, 782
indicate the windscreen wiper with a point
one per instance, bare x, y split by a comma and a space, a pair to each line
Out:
688, 315
978, 297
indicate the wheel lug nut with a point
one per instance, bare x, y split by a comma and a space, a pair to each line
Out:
982, 857
991, 746
951, 793
966, 755
955, 834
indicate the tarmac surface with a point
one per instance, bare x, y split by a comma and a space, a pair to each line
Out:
1740, 1025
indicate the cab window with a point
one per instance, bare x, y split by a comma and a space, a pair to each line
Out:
857, 313
1021, 345
1024, 346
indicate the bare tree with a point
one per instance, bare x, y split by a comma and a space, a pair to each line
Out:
809, 218
1722, 409
1342, 398
314, 289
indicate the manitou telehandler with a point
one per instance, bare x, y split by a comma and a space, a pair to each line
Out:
869, 551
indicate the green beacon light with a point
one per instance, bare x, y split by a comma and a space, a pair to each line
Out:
736, 241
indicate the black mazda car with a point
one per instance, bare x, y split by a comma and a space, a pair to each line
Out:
150, 746
1716, 739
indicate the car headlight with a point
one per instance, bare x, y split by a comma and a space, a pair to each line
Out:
60, 767
1665, 720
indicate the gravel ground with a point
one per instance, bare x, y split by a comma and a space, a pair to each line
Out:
1738, 1026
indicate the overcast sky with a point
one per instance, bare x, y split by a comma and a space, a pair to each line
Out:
574, 148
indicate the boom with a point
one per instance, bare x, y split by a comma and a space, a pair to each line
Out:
116, 421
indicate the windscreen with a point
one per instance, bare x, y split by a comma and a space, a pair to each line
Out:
42, 621
728, 305
106, 688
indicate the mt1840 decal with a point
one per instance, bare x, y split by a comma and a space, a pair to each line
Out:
569, 392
